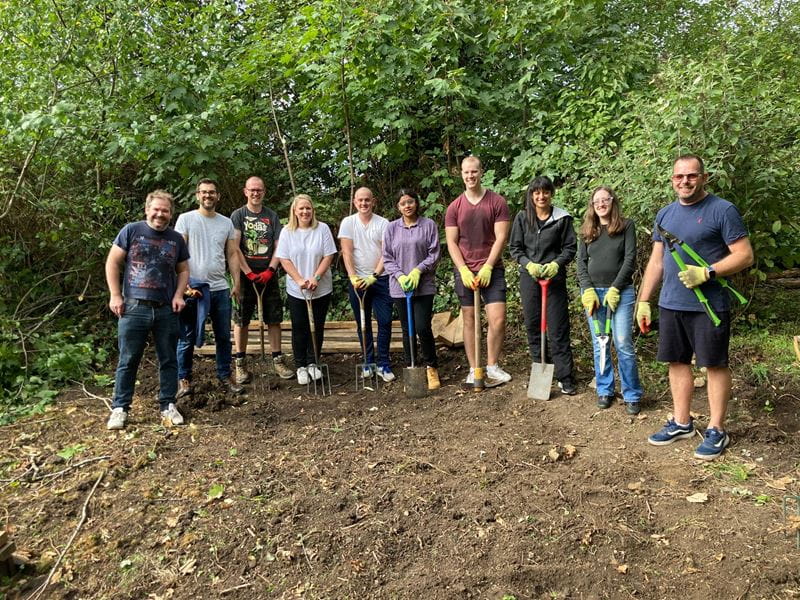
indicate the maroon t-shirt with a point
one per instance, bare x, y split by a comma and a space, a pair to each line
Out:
475, 224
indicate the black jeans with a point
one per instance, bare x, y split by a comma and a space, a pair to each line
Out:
422, 313
557, 323
302, 345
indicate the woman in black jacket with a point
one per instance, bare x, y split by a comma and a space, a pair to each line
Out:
543, 243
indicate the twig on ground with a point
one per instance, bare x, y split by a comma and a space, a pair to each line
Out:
69, 468
82, 520
237, 587
650, 512
105, 400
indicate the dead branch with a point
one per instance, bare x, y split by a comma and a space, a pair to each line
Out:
13, 194
346, 110
281, 139
95, 396
71, 467
44, 585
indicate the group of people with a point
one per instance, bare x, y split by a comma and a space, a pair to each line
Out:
169, 281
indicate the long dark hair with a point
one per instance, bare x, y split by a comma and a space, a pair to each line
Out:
537, 183
590, 229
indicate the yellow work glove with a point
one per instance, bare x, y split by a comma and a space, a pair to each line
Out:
612, 298
467, 278
590, 300
534, 269
413, 278
643, 316
484, 275
693, 276
550, 270
369, 280
356, 281
404, 283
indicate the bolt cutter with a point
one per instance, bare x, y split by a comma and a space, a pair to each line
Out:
671, 241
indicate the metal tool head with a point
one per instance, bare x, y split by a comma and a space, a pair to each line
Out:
366, 377
669, 238
319, 386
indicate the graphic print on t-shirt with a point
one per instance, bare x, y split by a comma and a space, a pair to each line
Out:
151, 262
258, 236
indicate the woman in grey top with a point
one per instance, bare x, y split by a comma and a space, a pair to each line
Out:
606, 259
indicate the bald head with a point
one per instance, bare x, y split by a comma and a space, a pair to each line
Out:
254, 192
364, 201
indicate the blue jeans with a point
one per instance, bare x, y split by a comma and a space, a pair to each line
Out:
220, 315
133, 327
622, 335
376, 297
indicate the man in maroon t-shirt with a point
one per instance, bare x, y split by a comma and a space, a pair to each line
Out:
476, 226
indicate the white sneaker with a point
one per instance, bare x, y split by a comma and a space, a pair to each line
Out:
314, 372
471, 377
302, 376
171, 416
495, 372
117, 419
386, 374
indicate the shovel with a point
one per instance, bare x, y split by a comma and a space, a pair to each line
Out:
541, 379
481, 378
326, 377
363, 368
415, 379
602, 337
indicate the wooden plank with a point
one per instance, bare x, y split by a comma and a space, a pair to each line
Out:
453, 334
6, 551
3, 537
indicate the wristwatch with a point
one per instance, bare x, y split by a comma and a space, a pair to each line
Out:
317, 277
712, 272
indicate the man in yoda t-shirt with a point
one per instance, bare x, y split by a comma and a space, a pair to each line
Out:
477, 224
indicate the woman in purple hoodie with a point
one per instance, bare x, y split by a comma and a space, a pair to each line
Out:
410, 253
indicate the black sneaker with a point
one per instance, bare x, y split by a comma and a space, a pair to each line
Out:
567, 386
605, 401
632, 408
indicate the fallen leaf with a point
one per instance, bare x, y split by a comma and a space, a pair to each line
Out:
570, 450
622, 569
780, 484
697, 498
719, 557
635, 485
554, 454
215, 491
172, 521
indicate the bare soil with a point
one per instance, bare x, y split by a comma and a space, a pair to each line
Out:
373, 495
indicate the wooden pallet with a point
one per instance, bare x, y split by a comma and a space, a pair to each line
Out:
340, 336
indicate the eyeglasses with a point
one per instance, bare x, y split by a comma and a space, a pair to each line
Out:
602, 202
690, 177
254, 191
207, 193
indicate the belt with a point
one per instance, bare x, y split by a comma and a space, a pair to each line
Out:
150, 303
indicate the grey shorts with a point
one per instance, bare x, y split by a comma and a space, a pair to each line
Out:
494, 292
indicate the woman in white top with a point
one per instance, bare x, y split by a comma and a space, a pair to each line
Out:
306, 249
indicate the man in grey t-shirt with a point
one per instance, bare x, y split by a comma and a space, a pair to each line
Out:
211, 239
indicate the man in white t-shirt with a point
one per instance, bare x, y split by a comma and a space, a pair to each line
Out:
211, 239
361, 235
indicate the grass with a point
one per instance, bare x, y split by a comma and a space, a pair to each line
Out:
730, 470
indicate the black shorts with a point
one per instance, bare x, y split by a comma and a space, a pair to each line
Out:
683, 334
273, 306
494, 292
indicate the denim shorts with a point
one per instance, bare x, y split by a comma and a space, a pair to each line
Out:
492, 293
684, 333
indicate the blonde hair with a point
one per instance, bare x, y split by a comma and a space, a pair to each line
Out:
293, 222
158, 195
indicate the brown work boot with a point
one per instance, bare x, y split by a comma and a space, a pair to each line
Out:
184, 388
433, 379
281, 369
242, 375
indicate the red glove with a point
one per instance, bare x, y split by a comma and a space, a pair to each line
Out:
264, 277
252, 276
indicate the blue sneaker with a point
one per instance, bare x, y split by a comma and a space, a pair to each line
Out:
714, 443
671, 432
366, 372
386, 374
